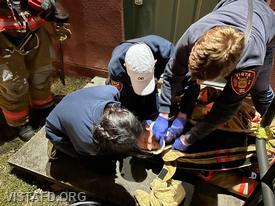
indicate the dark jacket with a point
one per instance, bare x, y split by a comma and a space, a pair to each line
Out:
69, 126
256, 62
142, 106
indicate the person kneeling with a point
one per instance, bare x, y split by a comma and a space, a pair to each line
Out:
91, 122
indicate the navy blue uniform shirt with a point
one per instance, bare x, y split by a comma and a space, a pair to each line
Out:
252, 72
69, 126
143, 106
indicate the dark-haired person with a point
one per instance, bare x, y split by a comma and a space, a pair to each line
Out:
134, 67
214, 48
91, 122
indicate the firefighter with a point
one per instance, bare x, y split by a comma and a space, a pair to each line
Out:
214, 48
100, 126
25, 62
134, 67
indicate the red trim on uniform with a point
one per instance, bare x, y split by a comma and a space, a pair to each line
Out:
222, 151
218, 159
209, 176
40, 102
242, 186
271, 162
251, 186
225, 158
203, 97
13, 116
222, 159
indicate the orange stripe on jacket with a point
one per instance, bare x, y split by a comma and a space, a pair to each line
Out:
12, 116
242, 186
11, 24
40, 102
251, 186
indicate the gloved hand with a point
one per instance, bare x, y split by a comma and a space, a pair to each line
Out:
160, 127
176, 129
180, 145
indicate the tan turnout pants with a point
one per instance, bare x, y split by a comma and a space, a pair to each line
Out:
25, 79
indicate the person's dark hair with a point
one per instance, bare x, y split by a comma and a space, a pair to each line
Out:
118, 131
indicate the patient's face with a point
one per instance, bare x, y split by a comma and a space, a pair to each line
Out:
147, 140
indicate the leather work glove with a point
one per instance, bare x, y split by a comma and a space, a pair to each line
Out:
180, 144
160, 127
176, 129
63, 31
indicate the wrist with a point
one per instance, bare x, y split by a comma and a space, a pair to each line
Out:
182, 116
151, 125
183, 140
165, 115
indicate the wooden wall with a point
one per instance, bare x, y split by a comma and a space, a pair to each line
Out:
97, 27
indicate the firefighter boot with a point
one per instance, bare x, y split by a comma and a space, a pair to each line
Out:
25, 132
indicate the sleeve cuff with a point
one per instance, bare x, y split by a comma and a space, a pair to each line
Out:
164, 109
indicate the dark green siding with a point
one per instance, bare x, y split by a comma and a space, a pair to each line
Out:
167, 18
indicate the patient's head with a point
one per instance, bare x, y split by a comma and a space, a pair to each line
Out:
117, 131
147, 140
120, 132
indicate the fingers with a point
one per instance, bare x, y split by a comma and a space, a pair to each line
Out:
170, 136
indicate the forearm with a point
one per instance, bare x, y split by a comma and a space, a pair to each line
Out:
190, 95
163, 114
165, 95
172, 85
219, 114
174, 76
200, 131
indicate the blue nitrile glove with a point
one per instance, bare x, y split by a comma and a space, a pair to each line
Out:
159, 128
176, 129
179, 145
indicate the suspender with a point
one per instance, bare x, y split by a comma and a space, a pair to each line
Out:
249, 21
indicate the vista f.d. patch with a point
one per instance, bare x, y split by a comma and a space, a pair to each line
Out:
243, 81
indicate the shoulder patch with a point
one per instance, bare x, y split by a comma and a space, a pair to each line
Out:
241, 82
